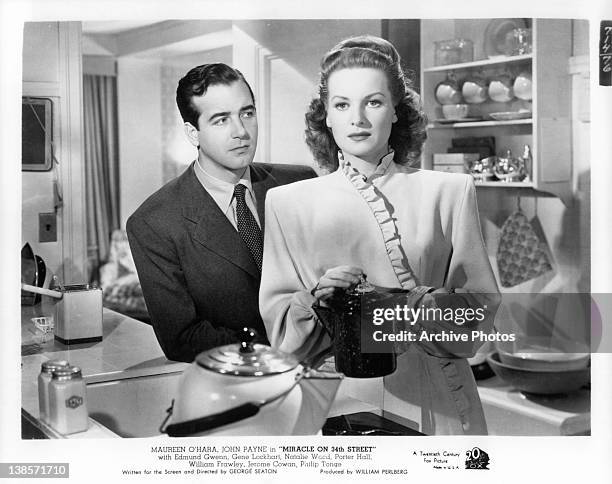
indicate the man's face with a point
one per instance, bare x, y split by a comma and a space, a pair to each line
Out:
227, 133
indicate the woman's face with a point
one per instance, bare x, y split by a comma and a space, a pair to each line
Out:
360, 112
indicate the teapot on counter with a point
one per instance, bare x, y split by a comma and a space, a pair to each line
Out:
249, 388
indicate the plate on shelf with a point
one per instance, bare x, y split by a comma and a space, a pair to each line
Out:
510, 115
495, 35
453, 121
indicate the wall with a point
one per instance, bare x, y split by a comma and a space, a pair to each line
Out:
177, 152
281, 60
52, 69
140, 132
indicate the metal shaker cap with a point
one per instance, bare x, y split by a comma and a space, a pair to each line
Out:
49, 366
67, 373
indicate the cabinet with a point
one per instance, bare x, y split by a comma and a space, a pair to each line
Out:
547, 131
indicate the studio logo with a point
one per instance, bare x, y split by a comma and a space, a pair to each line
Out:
477, 459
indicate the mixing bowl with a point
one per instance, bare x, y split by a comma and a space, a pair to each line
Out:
542, 382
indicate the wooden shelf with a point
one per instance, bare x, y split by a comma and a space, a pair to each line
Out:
502, 184
478, 124
480, 63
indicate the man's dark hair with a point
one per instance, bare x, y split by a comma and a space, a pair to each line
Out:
197, 81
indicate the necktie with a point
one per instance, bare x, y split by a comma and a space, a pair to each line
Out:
247, 225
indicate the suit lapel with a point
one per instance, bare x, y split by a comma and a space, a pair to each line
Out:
212, 228
261, 180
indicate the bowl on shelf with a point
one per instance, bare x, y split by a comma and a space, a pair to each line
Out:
540, 382
455, 111
537, 353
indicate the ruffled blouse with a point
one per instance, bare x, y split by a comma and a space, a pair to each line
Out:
367, 188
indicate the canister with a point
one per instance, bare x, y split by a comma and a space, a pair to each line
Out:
44, 378
78, 314
67, 401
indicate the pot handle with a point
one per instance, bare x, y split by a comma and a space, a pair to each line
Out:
232, 415
191, 427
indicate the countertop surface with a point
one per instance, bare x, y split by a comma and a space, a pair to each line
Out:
129, 349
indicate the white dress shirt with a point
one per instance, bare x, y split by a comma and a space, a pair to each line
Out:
222, 193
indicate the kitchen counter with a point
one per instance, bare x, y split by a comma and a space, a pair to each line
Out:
129, 364
129, 349
130, 354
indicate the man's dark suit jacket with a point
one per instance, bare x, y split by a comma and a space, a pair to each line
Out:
198, 278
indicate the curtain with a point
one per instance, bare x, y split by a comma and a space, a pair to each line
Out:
101, 167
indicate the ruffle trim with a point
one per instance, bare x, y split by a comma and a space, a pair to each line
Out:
387, 226
455, 386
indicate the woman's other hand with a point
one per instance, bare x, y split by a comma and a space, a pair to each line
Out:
341, 277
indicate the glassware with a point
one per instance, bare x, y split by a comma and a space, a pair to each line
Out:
453, 51
519, 41
482, 170
508, 168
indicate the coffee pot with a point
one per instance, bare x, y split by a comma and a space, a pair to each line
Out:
342, 319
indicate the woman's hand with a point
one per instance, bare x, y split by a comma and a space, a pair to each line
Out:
338, 277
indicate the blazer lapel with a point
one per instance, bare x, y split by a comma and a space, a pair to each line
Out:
212, 228
261, 180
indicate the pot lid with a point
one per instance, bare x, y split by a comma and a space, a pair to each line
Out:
246, 358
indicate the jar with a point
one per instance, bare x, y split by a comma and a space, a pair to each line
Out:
453, 51
44, 378
519, 41
67, 401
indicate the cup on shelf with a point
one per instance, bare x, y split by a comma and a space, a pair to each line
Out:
448, 91
500, 88
455, 111
523, 86
474, 90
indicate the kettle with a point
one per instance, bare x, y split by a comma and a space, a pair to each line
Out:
342, 320
249, 388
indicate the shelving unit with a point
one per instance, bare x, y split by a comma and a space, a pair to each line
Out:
502, 59
476, 124
547, 132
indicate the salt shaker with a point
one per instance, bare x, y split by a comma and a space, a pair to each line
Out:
67, 401
44, 378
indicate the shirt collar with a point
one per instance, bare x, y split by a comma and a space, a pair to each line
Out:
222, 191
381, 168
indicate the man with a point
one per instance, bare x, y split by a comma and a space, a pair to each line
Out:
197, 242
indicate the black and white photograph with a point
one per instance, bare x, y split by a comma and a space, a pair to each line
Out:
255, 242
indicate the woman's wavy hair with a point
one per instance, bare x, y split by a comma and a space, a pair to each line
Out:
407, 134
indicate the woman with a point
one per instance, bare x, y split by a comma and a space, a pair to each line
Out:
375, 215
